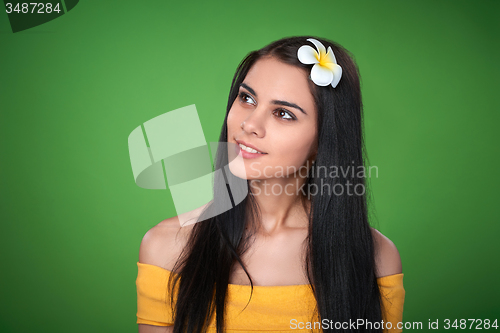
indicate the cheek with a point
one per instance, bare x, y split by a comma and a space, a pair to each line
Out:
233, 121
301, 153
295, 150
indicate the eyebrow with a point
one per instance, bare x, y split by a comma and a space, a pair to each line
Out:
274, 101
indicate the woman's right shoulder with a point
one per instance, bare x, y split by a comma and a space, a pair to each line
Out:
163, 244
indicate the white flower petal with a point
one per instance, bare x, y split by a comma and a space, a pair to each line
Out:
307, 55
319, 46
330, 56
337, 74
320, 75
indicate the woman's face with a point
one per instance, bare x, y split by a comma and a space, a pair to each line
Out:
274, 116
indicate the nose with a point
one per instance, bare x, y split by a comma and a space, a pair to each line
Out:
254, 124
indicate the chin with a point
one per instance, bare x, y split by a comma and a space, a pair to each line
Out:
237, 166
237, 171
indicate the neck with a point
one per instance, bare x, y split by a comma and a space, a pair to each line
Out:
281, 203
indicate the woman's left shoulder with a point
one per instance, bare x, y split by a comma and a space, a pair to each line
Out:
387, 258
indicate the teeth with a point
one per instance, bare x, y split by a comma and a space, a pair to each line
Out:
248, 149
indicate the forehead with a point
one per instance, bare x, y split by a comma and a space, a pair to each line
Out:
274, 80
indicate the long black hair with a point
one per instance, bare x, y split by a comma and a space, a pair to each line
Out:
340, 262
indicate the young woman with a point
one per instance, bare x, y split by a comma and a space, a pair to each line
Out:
298, 253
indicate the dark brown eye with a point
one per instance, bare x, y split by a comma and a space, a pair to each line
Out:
283, 114
245, 98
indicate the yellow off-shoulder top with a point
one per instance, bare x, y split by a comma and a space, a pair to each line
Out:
271, 308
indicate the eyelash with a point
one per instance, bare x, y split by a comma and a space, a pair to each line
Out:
242, 96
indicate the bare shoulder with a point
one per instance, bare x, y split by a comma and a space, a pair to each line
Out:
162, 245
387, 258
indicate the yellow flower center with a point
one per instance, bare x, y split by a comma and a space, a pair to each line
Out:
324, 61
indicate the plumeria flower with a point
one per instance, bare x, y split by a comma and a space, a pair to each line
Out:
325, 70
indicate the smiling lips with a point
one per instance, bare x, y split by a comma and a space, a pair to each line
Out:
247, 151
250, 150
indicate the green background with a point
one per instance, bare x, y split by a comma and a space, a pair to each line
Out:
72, 90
